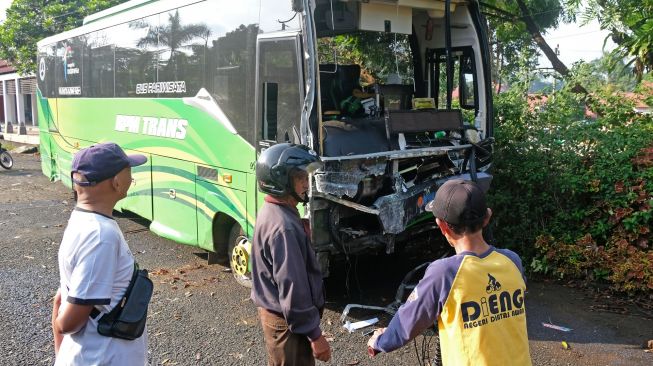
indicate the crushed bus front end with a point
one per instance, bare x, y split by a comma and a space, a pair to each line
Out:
398, 114
376, 201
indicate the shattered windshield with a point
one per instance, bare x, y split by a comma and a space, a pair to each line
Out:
383, 57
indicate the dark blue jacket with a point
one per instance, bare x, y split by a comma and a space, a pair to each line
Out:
286, 277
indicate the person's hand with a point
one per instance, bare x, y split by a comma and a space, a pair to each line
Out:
56, 300
321, 349
372, 342
58, 337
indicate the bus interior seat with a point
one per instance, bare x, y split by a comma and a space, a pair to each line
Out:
396, 96
337, 83
422, 121
363, 139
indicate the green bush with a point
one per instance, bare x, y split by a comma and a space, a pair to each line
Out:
573, 195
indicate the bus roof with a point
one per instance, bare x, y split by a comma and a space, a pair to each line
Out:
131, 10
115, 10
136, 9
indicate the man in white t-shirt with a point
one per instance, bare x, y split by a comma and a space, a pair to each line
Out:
95, 264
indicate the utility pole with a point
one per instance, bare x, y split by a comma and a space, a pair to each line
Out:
555, 79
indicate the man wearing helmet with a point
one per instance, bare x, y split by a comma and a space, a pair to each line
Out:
287, 283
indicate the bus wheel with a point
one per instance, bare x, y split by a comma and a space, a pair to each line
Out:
239, 252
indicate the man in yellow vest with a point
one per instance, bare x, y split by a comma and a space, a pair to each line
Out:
476, 297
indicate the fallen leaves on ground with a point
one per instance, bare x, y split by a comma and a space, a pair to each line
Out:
159, 272
237, 355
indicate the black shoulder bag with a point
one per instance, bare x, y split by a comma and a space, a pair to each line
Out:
127, 319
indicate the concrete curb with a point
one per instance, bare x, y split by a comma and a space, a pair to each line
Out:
23, 139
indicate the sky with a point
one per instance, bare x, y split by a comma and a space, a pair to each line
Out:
575, 42
4, 4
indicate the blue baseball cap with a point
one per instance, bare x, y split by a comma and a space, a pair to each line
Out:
102, 161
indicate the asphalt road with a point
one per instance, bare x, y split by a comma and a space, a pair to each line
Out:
200, 316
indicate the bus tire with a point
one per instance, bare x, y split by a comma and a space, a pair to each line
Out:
239, 252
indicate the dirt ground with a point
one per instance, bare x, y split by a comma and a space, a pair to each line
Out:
199, 316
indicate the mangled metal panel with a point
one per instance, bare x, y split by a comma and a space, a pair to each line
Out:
398, 209
342, 178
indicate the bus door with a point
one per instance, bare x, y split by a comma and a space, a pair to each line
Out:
279, 90
173, 199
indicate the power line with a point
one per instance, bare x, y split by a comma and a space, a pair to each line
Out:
45, 17
582, 51
504, 12
542, 12
79, 10
574, 35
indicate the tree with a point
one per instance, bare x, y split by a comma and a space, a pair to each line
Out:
630, 23
519, 24
379, 54
516, 27
534, 17
610, 69
29, 21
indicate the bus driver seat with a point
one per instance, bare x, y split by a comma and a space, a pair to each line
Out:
337, 83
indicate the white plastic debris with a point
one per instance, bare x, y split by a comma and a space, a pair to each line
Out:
361, 324
556, 327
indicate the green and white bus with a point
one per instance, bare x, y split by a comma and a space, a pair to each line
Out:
200, 87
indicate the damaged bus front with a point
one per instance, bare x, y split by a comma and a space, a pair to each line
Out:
401, 103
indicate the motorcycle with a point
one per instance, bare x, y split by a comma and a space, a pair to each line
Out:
5, 158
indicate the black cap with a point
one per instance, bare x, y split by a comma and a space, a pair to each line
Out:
459, 202
102, 161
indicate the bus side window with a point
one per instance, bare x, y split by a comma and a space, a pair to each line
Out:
99, 66
67, 70
467, 83
463, 75
270, 100
280, 88
46, 71
137, 57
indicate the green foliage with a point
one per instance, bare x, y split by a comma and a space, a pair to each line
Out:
379, 54
512, 42
630, 23
573, 195
609, 70
29, 21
